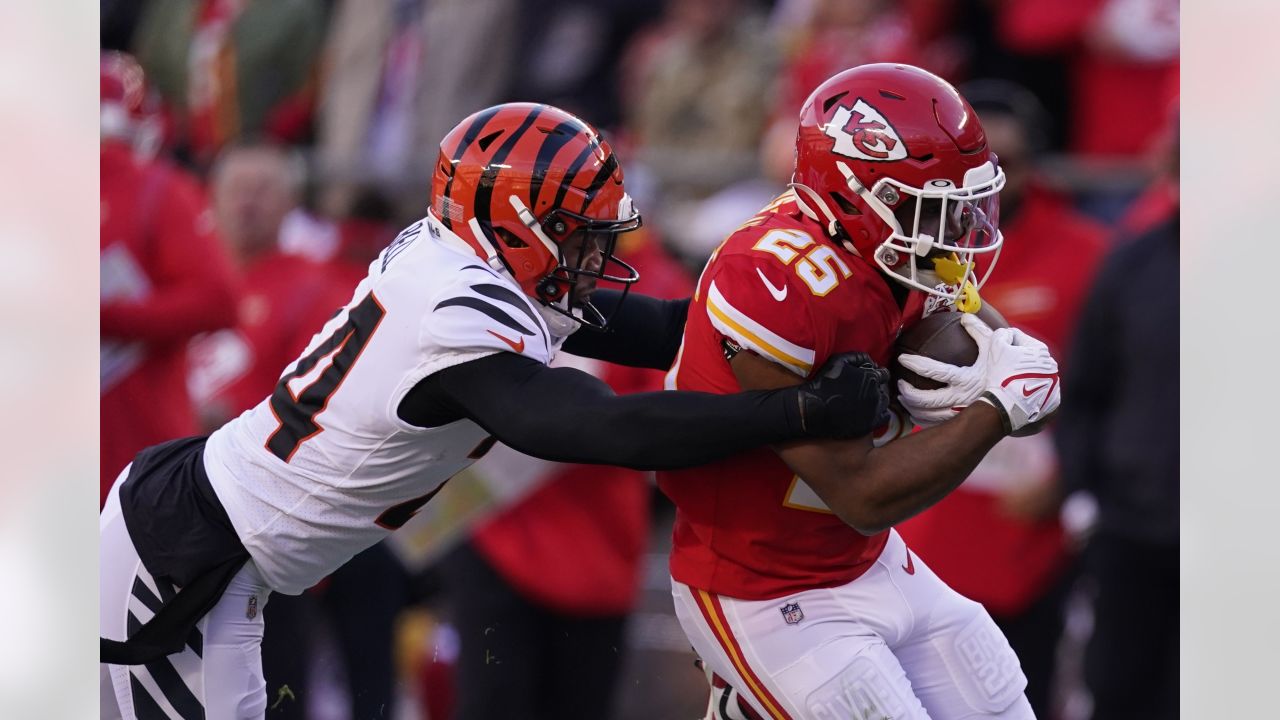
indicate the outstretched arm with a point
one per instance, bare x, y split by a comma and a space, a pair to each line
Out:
565, 415
643, 331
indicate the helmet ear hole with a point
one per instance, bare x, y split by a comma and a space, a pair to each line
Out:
845, 205
509, 238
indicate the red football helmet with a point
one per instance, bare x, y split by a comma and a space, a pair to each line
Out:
123, 94
128, 113
896, 165
521, 183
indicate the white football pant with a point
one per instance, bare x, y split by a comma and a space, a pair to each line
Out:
895, 643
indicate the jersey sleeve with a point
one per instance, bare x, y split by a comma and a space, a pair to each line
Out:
759, 304
477, 315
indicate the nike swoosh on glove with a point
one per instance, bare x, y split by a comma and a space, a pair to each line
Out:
1028, 392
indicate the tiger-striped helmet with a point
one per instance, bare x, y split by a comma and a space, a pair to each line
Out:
521, 183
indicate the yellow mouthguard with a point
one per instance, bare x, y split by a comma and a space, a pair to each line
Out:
953, 272
969, 301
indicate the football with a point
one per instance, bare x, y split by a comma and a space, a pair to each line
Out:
940, 336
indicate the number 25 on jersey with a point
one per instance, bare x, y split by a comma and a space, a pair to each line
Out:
817, 265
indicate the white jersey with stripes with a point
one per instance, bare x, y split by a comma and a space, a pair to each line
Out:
325, 467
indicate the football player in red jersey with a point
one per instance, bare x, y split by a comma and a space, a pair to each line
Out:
786, 574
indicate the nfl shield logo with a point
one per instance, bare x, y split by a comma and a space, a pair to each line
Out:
792, 613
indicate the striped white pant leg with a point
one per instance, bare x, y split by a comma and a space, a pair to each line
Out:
218, 674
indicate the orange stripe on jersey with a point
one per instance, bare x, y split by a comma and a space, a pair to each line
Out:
713, 613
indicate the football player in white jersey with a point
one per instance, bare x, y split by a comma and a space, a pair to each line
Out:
442, 350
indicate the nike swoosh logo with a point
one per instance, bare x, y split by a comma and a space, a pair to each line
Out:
778, 294
910, 567
517, 346
1028, 392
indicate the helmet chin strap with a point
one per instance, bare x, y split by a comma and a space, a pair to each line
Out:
491, 251
805, 208
531, 222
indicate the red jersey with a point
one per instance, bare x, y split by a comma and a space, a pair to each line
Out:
164, 278
286, 300
748, 527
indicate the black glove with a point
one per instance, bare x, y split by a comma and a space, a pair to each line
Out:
849, 398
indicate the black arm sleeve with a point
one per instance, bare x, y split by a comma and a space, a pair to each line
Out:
565, 415
643, 331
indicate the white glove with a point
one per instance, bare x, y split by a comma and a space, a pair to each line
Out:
1014, 373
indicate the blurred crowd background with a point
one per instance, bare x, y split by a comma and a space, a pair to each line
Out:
256, 156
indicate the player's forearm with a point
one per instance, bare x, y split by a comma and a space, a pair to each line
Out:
908, 475
643, 331
565, 415
657, 431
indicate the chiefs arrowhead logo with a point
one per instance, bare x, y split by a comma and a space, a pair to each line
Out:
861, 132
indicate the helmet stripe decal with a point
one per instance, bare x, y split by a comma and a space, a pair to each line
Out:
606, 170
562, 134
484, 193
469, 137
572, 172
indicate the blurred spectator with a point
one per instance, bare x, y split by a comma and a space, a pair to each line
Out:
1124, 59
229, 69
399, 75
1160, 199
834, 35
542, 590
571, 51
286, 298
1018, 567
697, 88
164, 278
1117, 440
367, 229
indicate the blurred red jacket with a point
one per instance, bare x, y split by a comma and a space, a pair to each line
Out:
164, 278
1124, 64
286, 300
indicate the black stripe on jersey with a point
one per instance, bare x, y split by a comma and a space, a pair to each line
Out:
144, 594
556, 139
497, 292
132, 625
487, 309
606, 170
572, 172
144, 706
467, 138
484, 192
174, 690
